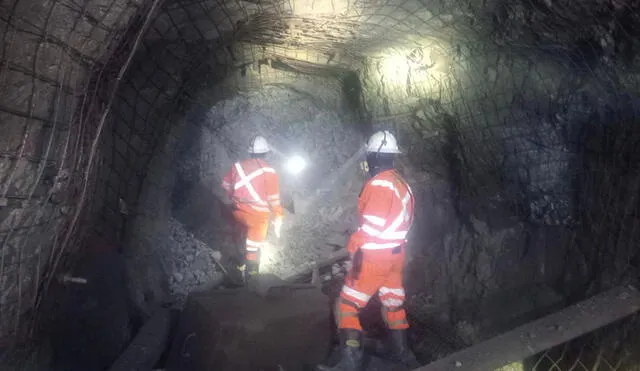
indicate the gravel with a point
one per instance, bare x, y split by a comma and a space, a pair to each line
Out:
191, 261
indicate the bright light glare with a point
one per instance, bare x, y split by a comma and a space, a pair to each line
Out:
296, 164
268, 256
515, 366
395, 68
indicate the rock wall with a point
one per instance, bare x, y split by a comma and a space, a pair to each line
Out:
165, 261
49, 51
478, 171
494, 157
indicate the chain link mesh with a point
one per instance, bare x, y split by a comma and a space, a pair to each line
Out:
611, 348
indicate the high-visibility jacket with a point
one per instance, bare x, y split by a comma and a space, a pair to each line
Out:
385, 208
253, 185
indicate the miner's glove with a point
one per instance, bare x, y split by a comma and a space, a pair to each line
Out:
277, 226
364, 168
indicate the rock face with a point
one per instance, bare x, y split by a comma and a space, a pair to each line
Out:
191, 262
165, 260
320, 201
493, 163
39, 142
180, 224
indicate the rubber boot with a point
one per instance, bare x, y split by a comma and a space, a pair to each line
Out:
234, 276
351, 357
401, 349
251, 270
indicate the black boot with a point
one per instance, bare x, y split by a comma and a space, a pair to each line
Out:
251, 270
401, 349
351, 352
232, 269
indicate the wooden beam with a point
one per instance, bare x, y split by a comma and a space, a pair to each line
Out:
545, 333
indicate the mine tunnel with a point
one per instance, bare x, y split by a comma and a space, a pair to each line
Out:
519, 124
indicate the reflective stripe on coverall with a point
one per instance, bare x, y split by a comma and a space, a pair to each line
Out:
385, 208
254, 189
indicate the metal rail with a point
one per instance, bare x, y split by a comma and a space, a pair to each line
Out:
545, 333
312, 271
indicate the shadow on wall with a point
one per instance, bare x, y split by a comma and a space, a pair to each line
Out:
148, 245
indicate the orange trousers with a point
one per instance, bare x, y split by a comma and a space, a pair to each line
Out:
257, 225
375, 272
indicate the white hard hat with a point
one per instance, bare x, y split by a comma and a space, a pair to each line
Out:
259, 145
382, 142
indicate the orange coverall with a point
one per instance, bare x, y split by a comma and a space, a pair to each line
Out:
253, 187
385, 208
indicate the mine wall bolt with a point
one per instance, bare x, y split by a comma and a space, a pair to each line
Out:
67, 278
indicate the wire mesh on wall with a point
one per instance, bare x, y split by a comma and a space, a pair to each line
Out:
48, 52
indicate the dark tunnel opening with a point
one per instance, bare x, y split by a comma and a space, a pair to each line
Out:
518, 122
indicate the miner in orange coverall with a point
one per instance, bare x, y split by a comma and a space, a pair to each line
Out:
377, 251
253, 187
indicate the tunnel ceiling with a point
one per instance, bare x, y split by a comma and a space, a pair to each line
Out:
353, 29
72, 72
